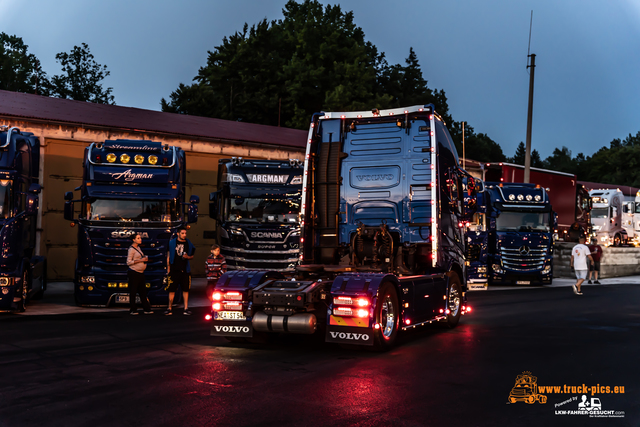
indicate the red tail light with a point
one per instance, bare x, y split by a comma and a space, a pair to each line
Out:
233, 296
216, 306
207, 317
342, 311
232, 305
217, 296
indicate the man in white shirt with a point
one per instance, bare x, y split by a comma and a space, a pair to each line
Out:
579, 255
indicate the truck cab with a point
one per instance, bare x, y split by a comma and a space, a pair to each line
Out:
611, 226
257, 211
510, 238
22, 271
382, 217
128, 187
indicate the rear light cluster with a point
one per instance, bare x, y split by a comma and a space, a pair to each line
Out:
351, 306
226, 301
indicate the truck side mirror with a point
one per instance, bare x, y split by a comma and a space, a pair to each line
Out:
214, 198
32, 204
192, 214
194, 200
68, 208
479, 185
68, 195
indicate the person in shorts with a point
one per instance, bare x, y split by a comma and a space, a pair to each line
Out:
579, 255
181, 250
594, 267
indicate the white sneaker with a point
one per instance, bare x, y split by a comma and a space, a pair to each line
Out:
575, 290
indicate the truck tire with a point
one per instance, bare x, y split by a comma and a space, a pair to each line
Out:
387, 315
24, 291
454, 300
38, 295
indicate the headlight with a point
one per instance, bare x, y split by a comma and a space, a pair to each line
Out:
6, 281
497, 269
87, 279
547, 269
482, 269
124, 158
236, 232
111, 157
153, 160
296, 180
138, 159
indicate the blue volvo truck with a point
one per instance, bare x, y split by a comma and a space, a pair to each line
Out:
128, 186
381, 232
22, 271
510, 237
257, 211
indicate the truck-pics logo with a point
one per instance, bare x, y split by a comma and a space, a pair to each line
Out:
526, 390
266, 235
261, 178
130, 176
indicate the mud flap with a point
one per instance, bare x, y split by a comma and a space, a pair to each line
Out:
349, 335
231, 328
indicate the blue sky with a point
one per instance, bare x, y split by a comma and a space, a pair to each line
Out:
587, 79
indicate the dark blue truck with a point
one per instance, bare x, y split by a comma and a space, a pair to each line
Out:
257, 211
129, 186
22, 271
382, 236
510, 236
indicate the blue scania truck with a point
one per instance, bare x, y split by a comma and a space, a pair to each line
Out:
381, 234
128, 186
510, 236
257, 211
22, 271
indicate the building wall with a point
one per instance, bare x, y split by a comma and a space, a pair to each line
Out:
62, 151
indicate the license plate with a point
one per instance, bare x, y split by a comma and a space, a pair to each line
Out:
231, 315
523, 282
124, 299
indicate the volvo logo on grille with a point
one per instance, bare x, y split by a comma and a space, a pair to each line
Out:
524, 250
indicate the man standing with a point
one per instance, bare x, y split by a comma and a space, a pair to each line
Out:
579, 255
180, 252
594, 267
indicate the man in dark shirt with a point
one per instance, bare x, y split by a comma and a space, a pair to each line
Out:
179, 272
594, 267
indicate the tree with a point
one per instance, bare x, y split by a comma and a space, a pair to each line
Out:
20, 71
536, 161
519, 156
81, 77
560, 160
314, 59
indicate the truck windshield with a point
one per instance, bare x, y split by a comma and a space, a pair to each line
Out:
131, 210
249, 209
600, 213
523, 221
637, 208
5, 198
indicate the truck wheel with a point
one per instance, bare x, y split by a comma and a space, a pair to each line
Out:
454, 301
387, 315
40, 293
24, 291
617, 240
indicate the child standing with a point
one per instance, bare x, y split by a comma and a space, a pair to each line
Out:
216, 266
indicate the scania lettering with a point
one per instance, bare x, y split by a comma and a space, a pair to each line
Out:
510, 237
128, 187
382, 242
22, 270
257, 209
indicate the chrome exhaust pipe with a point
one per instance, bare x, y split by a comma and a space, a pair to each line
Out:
301, 323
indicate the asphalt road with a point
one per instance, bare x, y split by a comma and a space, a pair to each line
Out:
90, 367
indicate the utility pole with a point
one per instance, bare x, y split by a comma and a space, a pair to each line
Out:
527, 156
463, 153
532, 65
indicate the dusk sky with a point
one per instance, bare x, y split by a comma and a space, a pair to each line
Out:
587, 78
